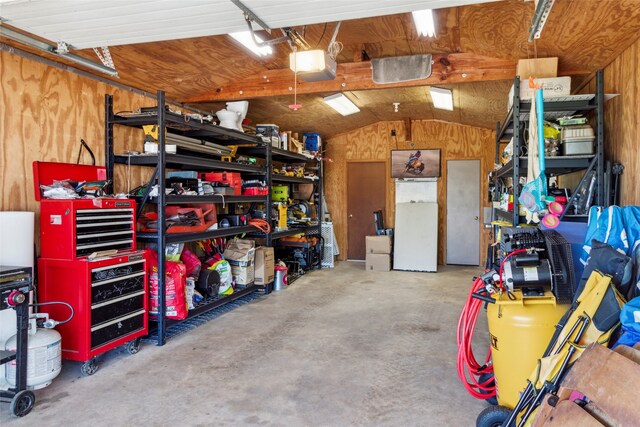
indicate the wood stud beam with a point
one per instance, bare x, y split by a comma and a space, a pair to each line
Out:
446, 69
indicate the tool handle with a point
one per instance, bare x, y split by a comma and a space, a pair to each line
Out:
483, 298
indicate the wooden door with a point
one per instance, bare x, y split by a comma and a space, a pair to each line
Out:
366, 193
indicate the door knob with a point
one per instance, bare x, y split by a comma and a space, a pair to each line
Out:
350, 216
476, 218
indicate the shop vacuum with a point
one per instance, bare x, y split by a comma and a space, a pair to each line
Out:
525, 295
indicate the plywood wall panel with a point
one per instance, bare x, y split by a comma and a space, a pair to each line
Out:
44, 113
374, 142
622, 119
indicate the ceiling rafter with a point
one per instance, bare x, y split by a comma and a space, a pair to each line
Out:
446, 69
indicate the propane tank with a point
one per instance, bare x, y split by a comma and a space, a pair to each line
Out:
44, 357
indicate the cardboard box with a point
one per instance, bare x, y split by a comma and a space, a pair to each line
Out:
555, 87
241, 254
264, 265
378, 262
378, 244
539, 68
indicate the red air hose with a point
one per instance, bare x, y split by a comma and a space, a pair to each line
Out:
467, 365
469, 369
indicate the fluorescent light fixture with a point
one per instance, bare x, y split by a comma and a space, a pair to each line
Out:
425, 25
341, 104
442, 98
313, 65
245, 39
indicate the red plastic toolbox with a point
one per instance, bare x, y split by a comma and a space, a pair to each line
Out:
255, 191
108, 296
75, 228
232, 178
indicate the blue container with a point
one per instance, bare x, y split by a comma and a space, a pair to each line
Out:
311, 141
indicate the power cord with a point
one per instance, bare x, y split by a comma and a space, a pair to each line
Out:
260, 224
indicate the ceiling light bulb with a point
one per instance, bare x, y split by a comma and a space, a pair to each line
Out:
442, 98
307, 60
425, 25
244, 38
341, 104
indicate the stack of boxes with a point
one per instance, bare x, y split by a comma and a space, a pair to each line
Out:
378, 253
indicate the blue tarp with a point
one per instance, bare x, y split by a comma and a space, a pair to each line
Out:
614, 225
630, 319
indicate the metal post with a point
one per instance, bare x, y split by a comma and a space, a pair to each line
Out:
162, 309
515, 157
22, 323
320, 199
319, 208
268, 172
497, 143
108, 138
600, 137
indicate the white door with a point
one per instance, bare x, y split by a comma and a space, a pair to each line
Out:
463, 212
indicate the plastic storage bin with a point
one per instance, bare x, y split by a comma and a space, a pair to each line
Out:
311, 141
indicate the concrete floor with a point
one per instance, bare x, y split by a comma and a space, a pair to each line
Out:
339, 347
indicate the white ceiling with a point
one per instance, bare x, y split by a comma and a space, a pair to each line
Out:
95, 23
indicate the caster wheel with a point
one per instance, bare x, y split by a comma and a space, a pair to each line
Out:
133, 347
493, 416
22, 403
490, 400
89, 367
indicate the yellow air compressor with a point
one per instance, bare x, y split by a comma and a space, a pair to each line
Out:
528, 292
520, 329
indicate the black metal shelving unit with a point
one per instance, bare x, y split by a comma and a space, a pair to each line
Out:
162, 161
513, 126
289, 157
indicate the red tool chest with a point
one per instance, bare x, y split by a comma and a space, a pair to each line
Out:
75, 228
108, 296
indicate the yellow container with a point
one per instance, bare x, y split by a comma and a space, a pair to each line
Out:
520, 331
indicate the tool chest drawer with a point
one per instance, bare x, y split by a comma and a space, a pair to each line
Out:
104, 333
103, 229
109, 310
115, 281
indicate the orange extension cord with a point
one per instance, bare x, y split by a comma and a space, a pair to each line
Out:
260, 224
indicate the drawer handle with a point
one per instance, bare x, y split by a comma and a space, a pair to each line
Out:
115, 300
117, 279
119, 319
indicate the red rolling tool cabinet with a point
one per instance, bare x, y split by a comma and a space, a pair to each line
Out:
109, 298
109, 293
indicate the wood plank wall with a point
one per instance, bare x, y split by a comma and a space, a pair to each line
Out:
622, 119
374, 143
44, 112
